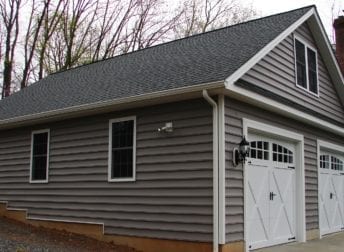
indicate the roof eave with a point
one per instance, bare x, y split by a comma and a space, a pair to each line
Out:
112, 105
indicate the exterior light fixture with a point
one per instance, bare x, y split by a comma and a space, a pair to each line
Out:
167, 128
239, 154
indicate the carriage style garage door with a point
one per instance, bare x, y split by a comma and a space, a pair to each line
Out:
331, 190
270, 192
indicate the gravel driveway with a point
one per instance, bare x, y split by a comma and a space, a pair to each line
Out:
18, 237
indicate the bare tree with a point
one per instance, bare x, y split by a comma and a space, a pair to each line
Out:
50, 23
35, 23
63, 34
9, 13
153, 25
79, 17
115, 16
204, 15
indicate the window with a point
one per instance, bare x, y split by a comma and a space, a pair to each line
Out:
39, 156
329, 161
259, 150
306, 67
281, 154
122, 149
336, 164
325, 161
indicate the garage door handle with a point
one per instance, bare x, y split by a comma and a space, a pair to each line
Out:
272, 195
331, 195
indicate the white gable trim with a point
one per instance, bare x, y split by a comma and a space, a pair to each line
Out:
327, 54
263, 52
272, 105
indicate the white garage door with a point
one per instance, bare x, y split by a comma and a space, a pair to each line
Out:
331, 193
270, 192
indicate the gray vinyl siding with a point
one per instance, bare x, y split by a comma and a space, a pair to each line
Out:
171, 197
276, 73
235, 111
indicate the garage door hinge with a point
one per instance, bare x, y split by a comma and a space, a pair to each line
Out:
291, 238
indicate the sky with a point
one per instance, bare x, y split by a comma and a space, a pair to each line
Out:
327, 9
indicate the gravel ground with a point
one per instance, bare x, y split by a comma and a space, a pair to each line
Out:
18, 237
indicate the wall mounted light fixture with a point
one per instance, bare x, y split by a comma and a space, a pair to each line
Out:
167, 128
240, 154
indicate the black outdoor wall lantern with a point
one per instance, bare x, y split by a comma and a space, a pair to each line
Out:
239, 154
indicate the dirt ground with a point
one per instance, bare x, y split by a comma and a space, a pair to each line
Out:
18, 237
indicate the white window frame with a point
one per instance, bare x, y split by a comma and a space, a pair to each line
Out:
116, 120
307, 46
35, 132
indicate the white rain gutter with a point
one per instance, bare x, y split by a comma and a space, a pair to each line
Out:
215, 171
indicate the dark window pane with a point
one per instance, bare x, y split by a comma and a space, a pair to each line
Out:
40, 142
274, 157
280, 149
312, 71
274, 147
253, 153
39, 156
260, 145
39, 168
266, 145
122, 149
260, 154
300, 64
266, 155
122, 134
253, 144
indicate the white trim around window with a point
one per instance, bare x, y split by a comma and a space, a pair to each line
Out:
307, 46
129, 179
31, 156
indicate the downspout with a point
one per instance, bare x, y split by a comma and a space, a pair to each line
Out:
215, 171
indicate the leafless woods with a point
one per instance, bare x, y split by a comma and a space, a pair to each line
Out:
38, 37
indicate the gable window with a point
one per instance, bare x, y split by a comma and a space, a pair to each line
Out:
306, 67
39, 156
122, 149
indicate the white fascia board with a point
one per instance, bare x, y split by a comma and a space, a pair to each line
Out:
280, 108
263, 52
104, 104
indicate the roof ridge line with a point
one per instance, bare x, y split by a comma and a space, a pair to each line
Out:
184, 38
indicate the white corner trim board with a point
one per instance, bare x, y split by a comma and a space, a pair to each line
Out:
254, 127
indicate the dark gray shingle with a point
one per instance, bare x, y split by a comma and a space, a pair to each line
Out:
202, 58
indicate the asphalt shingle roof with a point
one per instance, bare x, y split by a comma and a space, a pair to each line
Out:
203, 58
